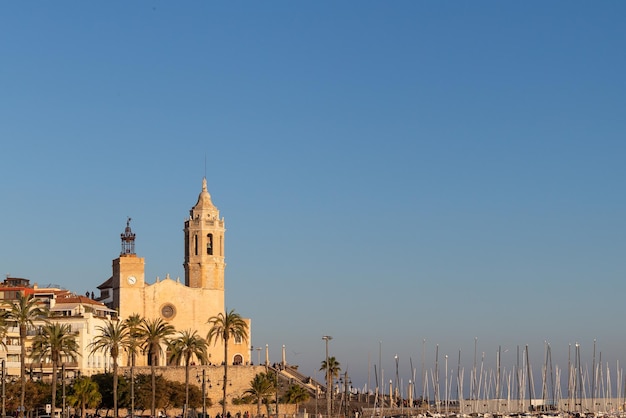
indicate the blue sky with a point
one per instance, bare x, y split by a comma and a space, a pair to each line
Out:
388, 171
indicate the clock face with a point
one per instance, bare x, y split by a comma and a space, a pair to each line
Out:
132, 280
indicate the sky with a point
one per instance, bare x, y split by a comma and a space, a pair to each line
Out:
406, 177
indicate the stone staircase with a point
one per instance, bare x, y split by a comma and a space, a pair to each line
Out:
294, 376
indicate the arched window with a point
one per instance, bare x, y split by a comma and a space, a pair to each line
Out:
209, 244
238, 359
195, 244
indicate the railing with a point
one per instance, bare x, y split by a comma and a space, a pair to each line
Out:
46, 366
305, 381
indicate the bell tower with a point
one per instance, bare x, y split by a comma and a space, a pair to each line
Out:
128, 275
204, 244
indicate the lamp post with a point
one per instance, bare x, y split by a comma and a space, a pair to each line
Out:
276, 394
132, 387
203, 381
396, 393
63, 385
346, 392
4, 397
258, 356
317, 392
327, 338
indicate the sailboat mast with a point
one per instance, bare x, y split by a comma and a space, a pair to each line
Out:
530, 390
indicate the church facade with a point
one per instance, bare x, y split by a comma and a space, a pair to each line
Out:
188, 305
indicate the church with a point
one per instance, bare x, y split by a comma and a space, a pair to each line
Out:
186, 305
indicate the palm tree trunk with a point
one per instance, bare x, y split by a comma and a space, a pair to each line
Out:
54, 390
152, 372
187, 388
132, 385
22, 367
114, 387
225, 377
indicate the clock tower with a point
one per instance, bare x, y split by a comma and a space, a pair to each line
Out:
204, 244
128, 272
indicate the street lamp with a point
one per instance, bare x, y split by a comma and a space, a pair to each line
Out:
276, 375
63, 384
396, 393
3, 390
132, 387
346, 392
258, 355
327, 338
203, 381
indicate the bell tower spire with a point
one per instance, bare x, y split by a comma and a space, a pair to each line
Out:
128, 239
204, 244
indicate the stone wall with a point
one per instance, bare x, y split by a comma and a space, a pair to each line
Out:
239, 378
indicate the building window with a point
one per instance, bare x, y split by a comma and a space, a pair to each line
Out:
238, 339
168, 311
209, 244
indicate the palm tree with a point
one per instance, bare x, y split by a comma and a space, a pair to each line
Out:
3, 329
333, 366
54, 341
133, 323
261, 388
113, 337
186, 346
224, 327
86, 394
153, 332
296, 394
332, 370
23, 312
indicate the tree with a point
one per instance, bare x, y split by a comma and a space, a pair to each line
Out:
23, 312
55, 341
334, 369
169, 394
188, 345
105, 387
153, 332
37, 394
224, 327
113, 338
296, 394
133, 323
3, 329
333, 366
262, 386
85, 394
